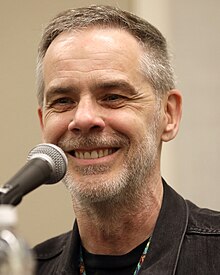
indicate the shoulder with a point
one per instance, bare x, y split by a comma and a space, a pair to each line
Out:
58, 255
52, 247
203, 220
200, 250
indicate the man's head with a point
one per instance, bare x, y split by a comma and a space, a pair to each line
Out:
154, 63
101, 108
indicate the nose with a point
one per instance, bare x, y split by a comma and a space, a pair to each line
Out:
86, 118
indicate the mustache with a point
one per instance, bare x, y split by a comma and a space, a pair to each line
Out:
93, 140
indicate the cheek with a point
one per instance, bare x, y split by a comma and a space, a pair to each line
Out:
130, 125
54, 126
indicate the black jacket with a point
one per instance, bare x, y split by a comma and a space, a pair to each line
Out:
185, 241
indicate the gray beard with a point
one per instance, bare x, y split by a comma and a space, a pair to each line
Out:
124, 187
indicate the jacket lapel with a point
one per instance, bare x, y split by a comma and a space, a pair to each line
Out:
69, 261
163, 253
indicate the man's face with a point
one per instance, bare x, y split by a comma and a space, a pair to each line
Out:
101, 111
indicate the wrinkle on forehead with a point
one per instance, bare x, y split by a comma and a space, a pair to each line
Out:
96, 42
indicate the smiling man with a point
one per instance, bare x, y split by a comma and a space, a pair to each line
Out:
107, 98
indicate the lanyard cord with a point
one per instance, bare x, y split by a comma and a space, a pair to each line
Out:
138, 267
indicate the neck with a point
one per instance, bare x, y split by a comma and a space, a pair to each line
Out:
117, 228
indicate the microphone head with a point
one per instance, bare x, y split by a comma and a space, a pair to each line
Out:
54, 156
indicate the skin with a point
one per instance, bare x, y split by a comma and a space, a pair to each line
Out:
95, 91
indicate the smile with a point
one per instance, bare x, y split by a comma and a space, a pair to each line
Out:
94, 154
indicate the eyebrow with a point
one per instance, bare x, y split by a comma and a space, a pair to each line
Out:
57, 90
105, 85
116, 84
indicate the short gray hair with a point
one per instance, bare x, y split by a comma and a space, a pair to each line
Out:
155, 62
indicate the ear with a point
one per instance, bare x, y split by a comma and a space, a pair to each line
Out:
172, 113
40, 115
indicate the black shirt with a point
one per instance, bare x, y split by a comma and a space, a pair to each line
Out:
109, 265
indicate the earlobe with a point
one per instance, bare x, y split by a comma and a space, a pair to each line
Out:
173, 113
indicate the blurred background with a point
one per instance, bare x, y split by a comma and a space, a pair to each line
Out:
190, 162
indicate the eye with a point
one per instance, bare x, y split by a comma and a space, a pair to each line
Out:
113, 97
114, 100
62, 104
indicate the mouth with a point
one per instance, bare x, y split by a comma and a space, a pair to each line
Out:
93, 154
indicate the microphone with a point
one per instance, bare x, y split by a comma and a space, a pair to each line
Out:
46, 164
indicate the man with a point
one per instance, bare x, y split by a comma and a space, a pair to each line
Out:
107, 97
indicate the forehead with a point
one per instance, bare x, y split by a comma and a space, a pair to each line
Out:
95, 42
85, 56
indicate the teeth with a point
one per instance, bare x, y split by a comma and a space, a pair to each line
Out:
94, 154
101, 154
87, 155
81, 155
